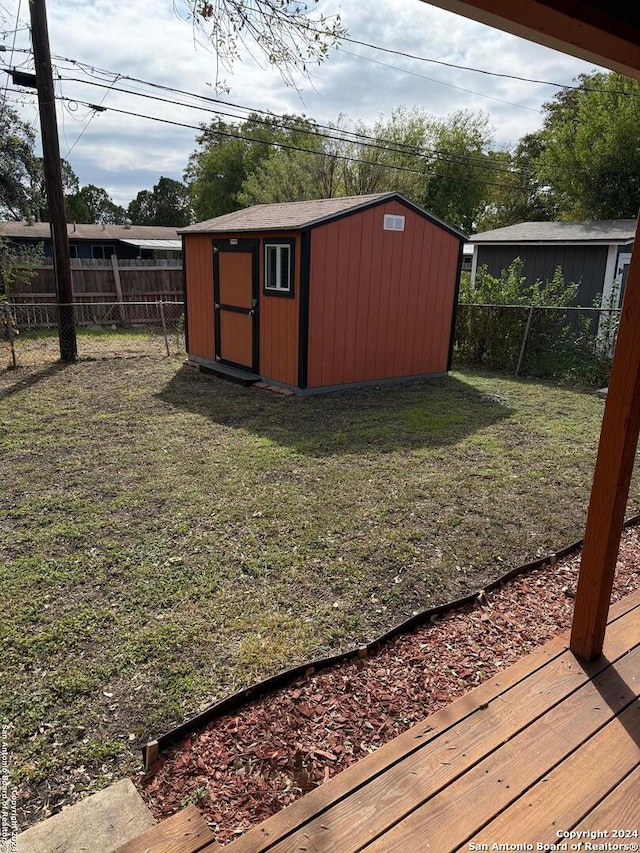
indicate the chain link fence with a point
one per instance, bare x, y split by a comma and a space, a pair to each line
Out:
103, 330
574, 344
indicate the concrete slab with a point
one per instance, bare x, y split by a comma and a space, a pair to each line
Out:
96, 824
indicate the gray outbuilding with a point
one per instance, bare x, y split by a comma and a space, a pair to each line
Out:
593, 254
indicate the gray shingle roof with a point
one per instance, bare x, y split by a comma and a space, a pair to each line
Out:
291, 216
287, 215
603, 231
41, 231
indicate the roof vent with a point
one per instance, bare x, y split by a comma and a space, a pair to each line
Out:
30, 221
104, 227
127, 223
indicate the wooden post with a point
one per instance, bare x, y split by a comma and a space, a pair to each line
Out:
118, 284
614, 465
10, 332
53, 180
164, 326
524, 340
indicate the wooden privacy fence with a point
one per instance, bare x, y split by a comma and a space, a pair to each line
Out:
115, 281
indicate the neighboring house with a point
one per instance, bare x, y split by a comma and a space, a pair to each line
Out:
592, 254
467, 257
100, 242
314, 295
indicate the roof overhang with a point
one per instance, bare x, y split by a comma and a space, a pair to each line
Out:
599, 31
159, 245
610, 242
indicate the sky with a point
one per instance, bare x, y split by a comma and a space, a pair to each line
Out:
154, 41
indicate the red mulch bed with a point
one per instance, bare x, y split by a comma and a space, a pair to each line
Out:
246, 766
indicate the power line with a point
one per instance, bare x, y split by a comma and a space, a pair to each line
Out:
481, 70
440, 82
279, 145
90, 119
13, 47
354, 135
380, 144
385, 145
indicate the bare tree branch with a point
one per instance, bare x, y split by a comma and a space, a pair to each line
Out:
290, 36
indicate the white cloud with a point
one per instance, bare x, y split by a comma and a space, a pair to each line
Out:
147, 39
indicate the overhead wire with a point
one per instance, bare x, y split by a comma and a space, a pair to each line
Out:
278, 144
353, 135
440, 82
337, 135
89, 120
13, 47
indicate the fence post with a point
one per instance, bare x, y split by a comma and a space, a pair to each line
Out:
524, 341
10, 332
118, 283
164, 326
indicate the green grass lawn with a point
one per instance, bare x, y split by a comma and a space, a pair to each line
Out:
167, 538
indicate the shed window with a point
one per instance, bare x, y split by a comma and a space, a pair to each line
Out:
278, 268
393, 223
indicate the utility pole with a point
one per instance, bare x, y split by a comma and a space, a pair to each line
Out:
53, 179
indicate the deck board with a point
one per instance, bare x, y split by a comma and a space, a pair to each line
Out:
184, 832
448, 819
526, 720
618, 809
574, 787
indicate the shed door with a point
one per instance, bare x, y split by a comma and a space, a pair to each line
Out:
235, 290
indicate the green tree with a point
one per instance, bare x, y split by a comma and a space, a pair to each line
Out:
390, 159
511, 288
444, 165
590, 156
169, 203
521, 195
18, 266
228, 154
38, 204
92, 204
288, 176
17, 165
296, 175
460, 173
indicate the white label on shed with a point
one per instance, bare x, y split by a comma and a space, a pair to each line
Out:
393, 223
233, 242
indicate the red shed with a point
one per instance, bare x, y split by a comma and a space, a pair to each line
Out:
315, 295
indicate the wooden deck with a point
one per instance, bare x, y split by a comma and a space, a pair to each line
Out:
550, 745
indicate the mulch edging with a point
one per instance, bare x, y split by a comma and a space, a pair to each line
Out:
245, 766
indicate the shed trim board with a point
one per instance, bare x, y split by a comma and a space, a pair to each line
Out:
303, 330
349, 274
248, 308
456, 297
184, 297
